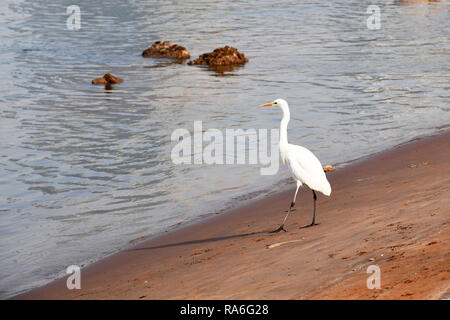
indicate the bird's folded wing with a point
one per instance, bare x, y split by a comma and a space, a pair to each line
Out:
307, 168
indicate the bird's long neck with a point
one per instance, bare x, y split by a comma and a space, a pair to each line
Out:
283, 126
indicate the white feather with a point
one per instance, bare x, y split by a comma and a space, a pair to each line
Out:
306, 168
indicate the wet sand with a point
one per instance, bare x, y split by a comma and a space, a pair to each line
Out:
391, 209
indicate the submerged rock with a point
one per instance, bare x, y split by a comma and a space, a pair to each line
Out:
225, 56
107, 79
166, 49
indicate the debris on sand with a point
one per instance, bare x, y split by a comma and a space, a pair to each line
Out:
328, 168
107, 79
281, 243
225, 56
166, 49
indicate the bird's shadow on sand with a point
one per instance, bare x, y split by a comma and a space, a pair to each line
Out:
215, 239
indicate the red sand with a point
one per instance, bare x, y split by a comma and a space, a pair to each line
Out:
392, 210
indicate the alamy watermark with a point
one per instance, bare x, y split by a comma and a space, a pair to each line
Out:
74, 280
373, 22
74, 20
228, 147
374, 281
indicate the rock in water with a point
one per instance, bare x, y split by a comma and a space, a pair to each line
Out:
107, 79
225, 56
166, 49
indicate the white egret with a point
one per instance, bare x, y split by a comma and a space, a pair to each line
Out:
304, 165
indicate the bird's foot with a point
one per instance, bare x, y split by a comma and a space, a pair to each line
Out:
279, 229
292, 210
310, 225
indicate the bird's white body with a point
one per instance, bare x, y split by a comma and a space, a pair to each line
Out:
305, 168
304, 165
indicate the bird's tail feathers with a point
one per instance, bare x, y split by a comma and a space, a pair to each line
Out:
326, 190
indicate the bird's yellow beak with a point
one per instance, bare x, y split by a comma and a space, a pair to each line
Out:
267, 104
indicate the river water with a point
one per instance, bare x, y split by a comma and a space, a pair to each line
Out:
85, 169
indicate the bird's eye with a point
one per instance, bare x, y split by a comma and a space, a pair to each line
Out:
275, 102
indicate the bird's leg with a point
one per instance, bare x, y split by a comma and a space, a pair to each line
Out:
314, 212
281, 227
313, 223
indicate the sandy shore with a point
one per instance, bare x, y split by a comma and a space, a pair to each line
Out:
392, 210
